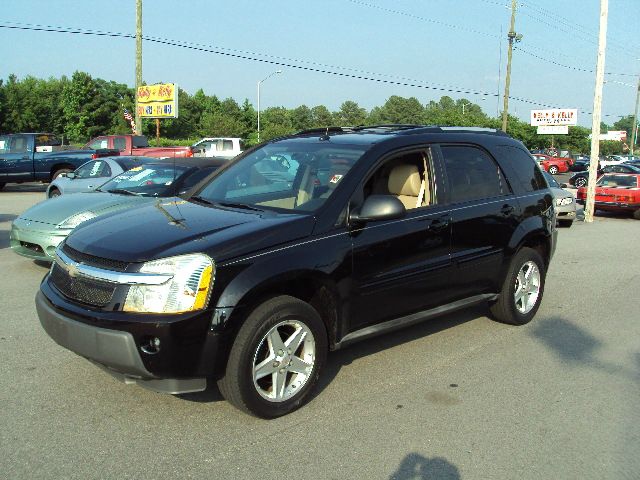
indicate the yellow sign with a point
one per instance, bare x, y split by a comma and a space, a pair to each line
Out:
157, 101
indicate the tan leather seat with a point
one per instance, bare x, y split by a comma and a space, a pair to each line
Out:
404, 183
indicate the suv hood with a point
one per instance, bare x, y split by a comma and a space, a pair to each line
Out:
172, 226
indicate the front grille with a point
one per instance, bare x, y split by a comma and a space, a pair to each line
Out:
32, 246
99, 262
91, 292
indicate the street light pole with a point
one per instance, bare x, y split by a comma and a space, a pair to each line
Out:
464, 105
635, 120
259, 83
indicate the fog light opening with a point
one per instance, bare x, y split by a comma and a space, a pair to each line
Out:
150, 345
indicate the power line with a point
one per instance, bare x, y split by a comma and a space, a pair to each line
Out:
254, 57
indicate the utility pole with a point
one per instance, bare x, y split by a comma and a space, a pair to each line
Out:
512, 36
597, 113
138, 61
635, 120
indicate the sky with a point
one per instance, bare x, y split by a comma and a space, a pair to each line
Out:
379, 48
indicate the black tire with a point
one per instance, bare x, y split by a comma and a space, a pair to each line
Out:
238, 386
54, 192
2, 185
504, 309
636, 214
581, 182
553, 170
57, 173
565, 223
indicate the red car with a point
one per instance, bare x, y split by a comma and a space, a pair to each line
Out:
553, 165
616, 193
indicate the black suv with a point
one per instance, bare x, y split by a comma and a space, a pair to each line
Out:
300, 246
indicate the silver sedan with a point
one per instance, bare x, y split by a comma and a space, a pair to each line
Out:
91, 175
565, 202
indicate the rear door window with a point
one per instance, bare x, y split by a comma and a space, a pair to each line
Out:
471, 174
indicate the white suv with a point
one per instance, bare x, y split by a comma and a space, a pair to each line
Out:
219, 147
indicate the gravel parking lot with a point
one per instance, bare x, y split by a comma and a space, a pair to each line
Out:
459, 397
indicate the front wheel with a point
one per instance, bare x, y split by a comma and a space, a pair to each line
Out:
553, 170
636, 214
276, 358
581, 182
2, 185
522, 291
54, 192
565, 223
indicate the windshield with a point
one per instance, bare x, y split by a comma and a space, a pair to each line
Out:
287, 175
617, 181
150, 180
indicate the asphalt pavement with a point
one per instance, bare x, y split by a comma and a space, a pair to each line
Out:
458, 397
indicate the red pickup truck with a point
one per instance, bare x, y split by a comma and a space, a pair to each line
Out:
136, 145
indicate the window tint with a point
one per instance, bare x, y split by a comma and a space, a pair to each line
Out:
196, 176
98, 143
18, 144
471, 174
47, 140
527, 171
119, 143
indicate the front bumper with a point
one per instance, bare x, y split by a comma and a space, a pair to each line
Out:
612, 206
181, 365
28, 240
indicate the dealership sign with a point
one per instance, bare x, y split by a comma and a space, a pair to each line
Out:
555, 116
614, 135
157, 101
553, 130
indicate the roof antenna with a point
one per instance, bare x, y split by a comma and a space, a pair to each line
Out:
326, 135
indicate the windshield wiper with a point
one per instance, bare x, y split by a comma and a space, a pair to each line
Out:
200, 199
240, 205
123, 191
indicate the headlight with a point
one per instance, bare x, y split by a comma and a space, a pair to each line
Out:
74, 220
564, 201
188, 290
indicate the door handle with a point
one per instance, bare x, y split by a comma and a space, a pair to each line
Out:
439, 224
507, 210
89, 186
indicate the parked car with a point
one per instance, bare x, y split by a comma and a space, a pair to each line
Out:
92, 174
616, 192
39, 230
616, 160
219, 147
27, 157
581, 179
553, 165
565, 202
137, 145
252, 280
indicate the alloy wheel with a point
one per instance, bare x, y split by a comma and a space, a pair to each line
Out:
284, 361
527, 287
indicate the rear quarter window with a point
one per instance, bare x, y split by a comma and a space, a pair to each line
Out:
523, 166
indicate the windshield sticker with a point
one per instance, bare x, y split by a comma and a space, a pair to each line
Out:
335, 179
94, 169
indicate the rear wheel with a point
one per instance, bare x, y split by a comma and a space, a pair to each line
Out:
553, 170
581, 182
2, 185
60, 171
522, 290
276, 358
565, 223
636, 214
54, 192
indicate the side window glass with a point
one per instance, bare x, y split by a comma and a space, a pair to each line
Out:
408, 177
227, 145
84, 171
119, 143
471, 174
4, 144
528, 172
18, 144
196, 176
100, 169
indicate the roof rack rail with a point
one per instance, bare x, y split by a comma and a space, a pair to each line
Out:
474, 129
324, 130
389, 126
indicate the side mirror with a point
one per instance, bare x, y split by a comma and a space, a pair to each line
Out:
70, 175
379, 207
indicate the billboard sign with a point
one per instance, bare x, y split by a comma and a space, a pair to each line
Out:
553, 130
614, 135
554, 116
157, 101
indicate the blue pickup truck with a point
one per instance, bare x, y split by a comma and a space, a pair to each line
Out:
28, 157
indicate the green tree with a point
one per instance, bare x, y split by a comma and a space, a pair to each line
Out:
350, 114
301, 118
78, 97
321, 117
400, 110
